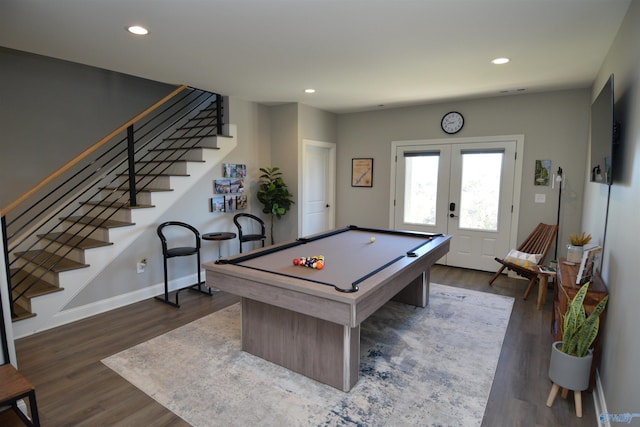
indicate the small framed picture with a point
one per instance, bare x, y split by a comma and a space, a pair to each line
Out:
362, 172
229, 203
241, 202
542, 172
222, 186
217, 204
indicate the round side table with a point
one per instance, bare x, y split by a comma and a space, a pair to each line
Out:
218, 237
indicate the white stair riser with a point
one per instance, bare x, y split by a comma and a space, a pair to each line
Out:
145, 181
67, 251
194, 154
123, 215
142, 198
39, 272
179, 168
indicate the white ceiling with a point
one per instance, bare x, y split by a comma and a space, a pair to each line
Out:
357, 54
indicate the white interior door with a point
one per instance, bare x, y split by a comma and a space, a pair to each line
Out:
463, 188
318, 187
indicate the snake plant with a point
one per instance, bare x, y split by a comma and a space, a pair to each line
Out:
579, 331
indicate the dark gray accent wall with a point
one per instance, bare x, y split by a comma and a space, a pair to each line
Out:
52, 110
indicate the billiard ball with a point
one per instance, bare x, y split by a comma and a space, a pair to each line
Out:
373, 239
296, 261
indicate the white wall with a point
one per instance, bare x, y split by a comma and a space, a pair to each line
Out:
554, 125
620, 364
290, 124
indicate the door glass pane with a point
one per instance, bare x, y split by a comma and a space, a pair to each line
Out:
480, 190
421, 188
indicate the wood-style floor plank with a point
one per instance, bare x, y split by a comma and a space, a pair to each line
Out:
75, 389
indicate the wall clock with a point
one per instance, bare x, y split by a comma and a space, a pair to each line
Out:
452, 122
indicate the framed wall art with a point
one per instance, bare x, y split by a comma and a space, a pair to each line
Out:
362, 172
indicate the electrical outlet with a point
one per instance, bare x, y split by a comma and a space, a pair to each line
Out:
141, 266
541, 198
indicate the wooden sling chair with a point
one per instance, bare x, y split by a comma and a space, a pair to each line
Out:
538, 242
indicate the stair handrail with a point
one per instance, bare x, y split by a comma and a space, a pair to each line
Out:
11, 206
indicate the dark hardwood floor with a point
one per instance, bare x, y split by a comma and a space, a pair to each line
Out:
75, 389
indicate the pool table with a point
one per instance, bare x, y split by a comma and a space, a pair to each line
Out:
308, 319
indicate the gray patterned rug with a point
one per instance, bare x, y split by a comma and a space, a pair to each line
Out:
418, 367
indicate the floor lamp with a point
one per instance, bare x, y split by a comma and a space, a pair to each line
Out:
558, 179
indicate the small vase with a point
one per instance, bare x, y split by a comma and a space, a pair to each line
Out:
567, 371
574, 253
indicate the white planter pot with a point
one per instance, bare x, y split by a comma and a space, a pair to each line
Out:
567, 371
574, 253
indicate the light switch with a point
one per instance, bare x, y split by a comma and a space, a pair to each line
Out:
541, 198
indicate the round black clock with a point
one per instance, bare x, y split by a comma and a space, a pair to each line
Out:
452, 122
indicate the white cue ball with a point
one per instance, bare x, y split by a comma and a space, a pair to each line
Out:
373, 239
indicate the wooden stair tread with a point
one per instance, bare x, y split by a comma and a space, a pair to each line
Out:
117, 205
75, 241
187, 137
98, 222
21, 313
199, 147
51, 261
144, 190
171, 161
20, 279
210, 125
156, 175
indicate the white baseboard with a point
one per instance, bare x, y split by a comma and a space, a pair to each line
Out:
599, 402
78, 313
118, 301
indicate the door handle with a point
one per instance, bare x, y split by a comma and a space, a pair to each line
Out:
452, 208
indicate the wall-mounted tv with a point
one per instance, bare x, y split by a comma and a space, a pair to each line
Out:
603, 135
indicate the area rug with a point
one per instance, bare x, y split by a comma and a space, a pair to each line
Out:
430, 366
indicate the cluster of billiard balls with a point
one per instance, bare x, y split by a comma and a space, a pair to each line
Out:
316, 262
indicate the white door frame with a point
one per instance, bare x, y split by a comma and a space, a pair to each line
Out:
331, 185
517, 181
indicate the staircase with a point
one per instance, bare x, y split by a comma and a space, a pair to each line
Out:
69, 241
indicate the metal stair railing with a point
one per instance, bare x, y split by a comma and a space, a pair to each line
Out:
163, 134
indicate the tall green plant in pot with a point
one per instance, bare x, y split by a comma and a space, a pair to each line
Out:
274, 195
571, 358
579, 331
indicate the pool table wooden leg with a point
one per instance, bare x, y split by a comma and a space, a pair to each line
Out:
416, 292
325, 351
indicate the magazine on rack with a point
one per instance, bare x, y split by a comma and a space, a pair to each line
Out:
587, 264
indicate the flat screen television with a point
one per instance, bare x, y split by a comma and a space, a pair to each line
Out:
603, 135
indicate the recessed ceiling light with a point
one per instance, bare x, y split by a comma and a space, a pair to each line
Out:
309, 90
500, 61
138, 30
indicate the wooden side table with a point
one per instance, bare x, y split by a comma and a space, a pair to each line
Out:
15, 387
543, 284
219, 236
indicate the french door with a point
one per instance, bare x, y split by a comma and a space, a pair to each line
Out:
463, 188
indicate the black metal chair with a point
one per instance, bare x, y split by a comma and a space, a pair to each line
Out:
179, 251
244, 237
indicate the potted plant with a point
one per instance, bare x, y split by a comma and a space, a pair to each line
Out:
575, 248
274, 194
570, 365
